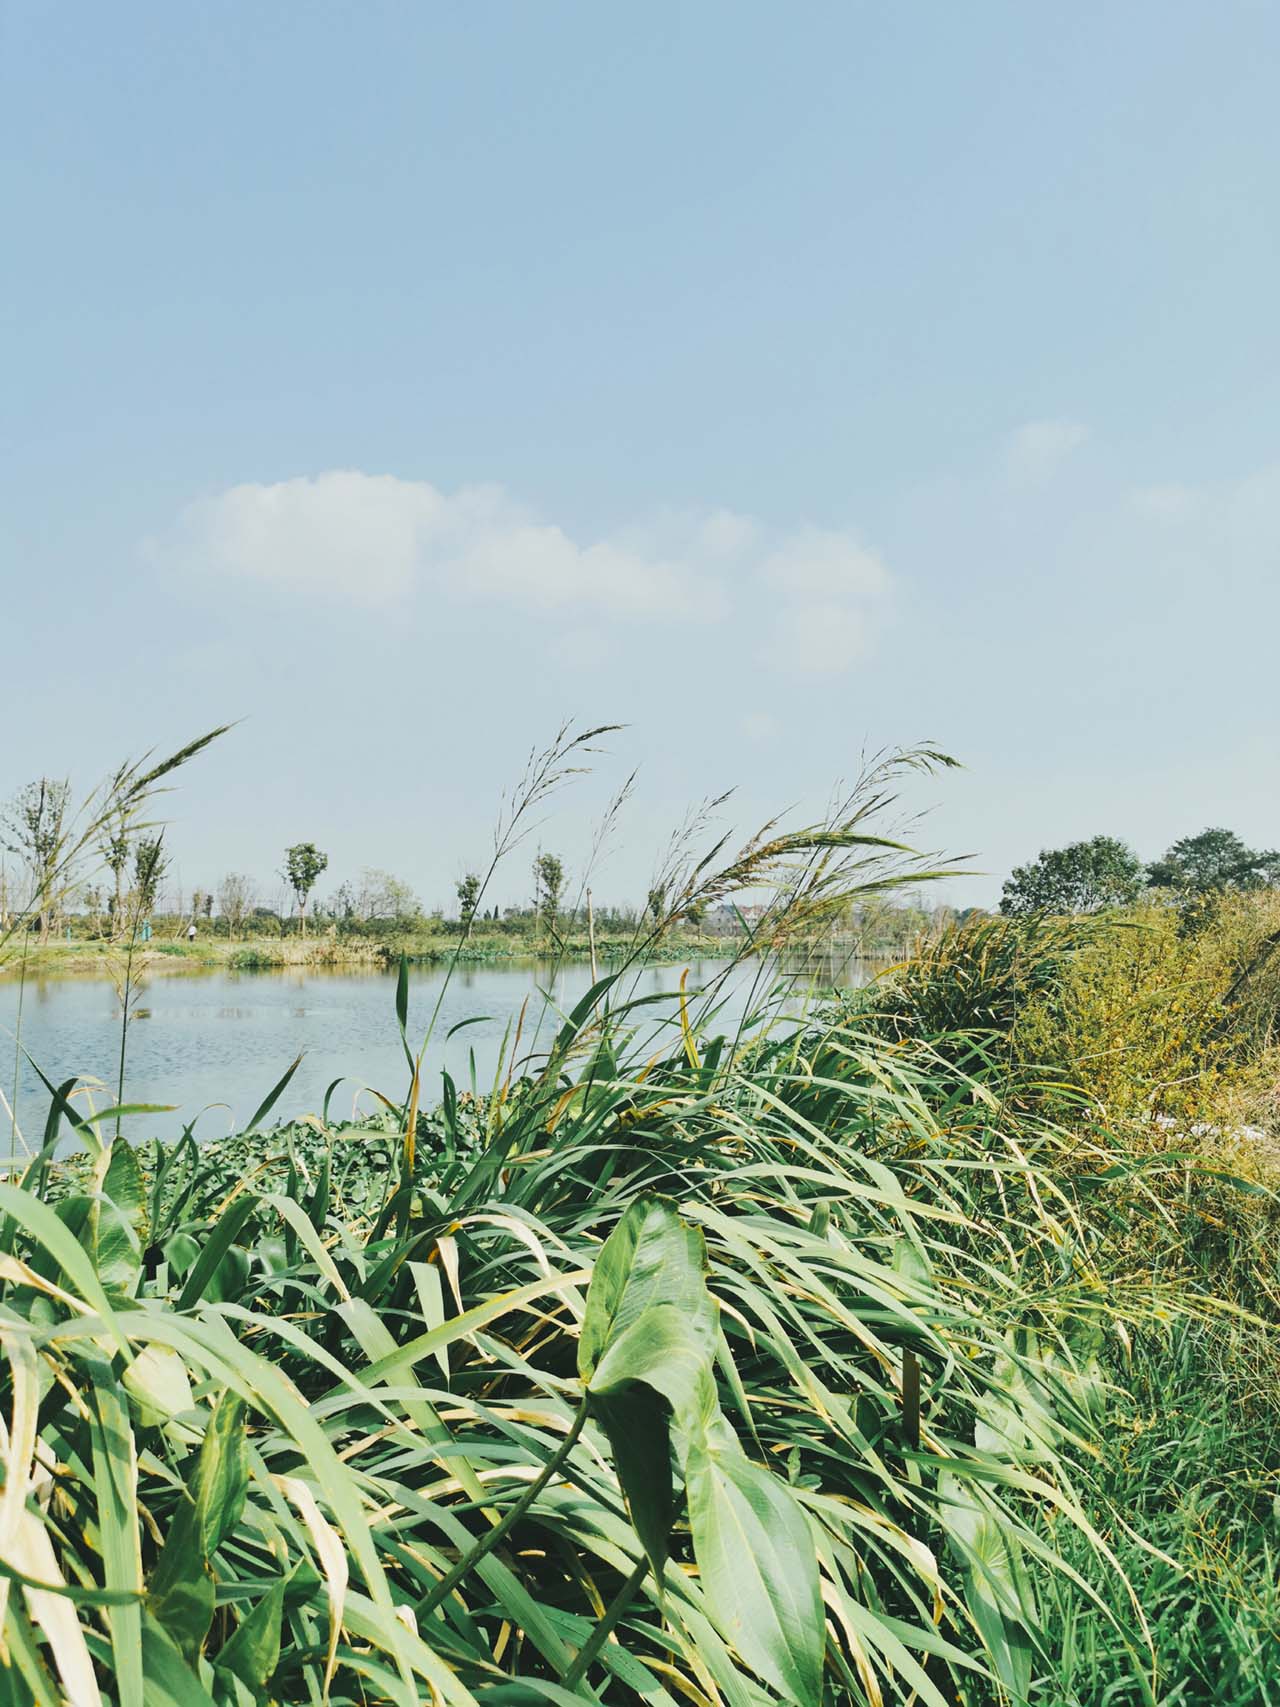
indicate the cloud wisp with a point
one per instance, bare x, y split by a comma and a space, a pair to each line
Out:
1038, 449
814, 597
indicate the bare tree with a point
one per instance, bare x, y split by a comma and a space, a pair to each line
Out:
31, 826
114, 848
236, 896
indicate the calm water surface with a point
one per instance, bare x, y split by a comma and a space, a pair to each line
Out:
215, 1043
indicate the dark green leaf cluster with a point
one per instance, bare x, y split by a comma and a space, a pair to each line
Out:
1085, 877
1214, 861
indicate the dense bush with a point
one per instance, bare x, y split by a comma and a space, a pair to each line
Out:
312, 1413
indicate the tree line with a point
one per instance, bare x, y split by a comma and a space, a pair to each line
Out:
1104, 872
136, 865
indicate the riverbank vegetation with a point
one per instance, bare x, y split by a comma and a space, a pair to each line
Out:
162, 955
921, 1350
76, 915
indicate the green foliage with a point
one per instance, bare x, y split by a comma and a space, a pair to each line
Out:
1214, 860
818, 1364
150, 863
468, 892
1085, 877
1158, 1044
303, 864
548, 889
340, 1403
1187, 1484
972, 980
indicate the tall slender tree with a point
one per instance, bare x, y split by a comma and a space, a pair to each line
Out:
468, 892
114, 848
303, 864
548, 887
32, 826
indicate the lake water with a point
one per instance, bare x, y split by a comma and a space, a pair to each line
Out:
214, 1044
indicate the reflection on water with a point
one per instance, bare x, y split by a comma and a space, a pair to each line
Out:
215, 1043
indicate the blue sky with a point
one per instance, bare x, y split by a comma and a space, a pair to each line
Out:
779, 382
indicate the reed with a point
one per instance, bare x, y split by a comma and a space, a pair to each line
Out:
835, 1360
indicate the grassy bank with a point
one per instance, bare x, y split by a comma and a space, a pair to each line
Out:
81, 957
923, 1354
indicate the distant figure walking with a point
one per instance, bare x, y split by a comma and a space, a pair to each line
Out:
191, 931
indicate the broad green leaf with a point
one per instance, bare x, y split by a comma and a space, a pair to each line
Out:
229, 1278
180, 1592
215, 1248
169, 1680
998, 1597
124, 1185
222, 1475
651, 1257
671, 1351
253, 1652
638, 1427
180, 1251
119, 1220
106, 1237
158, 1380
758, 1566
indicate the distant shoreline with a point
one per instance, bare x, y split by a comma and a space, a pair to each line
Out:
163, 958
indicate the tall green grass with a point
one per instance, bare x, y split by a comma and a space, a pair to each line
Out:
293, 1421
840, 1360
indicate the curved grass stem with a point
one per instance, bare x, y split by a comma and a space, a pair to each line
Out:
604, 1629
501, 1529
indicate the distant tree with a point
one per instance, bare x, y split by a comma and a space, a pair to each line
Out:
468, 891
548, 887
656, 903
303, 864
32, 826
114, 848
236, 896
382, 897
150, 863
91, 901
1082, 878
208, 905
1214, 860
197, 902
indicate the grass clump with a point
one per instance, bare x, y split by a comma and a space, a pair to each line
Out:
1150, 1036
293, 1349
875, 1358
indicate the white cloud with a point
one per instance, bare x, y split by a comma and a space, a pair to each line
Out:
827, 595
1167, 503
1039, 448
820, 564
814, 595
372, 539
819, 639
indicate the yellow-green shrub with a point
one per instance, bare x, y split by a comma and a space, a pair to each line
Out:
1165, 1017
